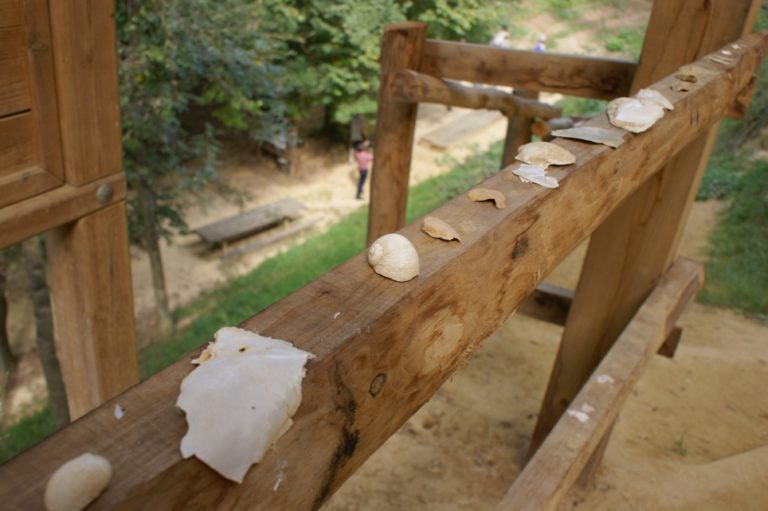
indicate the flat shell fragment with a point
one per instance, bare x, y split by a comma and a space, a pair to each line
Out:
439, 229
633, 114
604, 136
484, 194
544, 154
681, 87
77, 483
240, 399
726, 61
656, 97
688, 73
536, 175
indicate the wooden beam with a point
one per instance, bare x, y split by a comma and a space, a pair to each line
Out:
572, 75
557, 464
58, 207
92, 303
519, 130
636, 244
85, 58
382, 348
414, 87
401, 48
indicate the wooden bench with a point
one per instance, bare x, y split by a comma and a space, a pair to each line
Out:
249, 222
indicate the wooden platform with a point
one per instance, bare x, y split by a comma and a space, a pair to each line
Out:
452, 132
250, 222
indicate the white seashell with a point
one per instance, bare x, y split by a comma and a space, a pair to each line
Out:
394, 257
597, 135
537, 175
633, 114
439, 229
77, 483
544, 154
240, 399
654, 96
484, 194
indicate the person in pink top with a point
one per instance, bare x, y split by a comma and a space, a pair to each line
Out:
364, 157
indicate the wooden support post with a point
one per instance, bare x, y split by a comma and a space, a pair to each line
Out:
401, 48
414, 87
558, 463
382, 348
518, 130
635, 245
92, 301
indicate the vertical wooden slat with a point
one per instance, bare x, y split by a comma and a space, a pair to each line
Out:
14, 91
518, 131
86, 80
90, 280
630, 251
401, 48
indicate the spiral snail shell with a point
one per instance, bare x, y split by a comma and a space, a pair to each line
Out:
394, 257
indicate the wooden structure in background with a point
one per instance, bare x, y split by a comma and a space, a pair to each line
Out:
383, 348
61, 173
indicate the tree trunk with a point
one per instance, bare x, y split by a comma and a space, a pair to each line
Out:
46, 350
166, 326
7, 358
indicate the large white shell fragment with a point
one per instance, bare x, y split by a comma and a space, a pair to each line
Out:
393, 256
439, 229
537, 175
594, 134
544, 154
77, 483
633, 114
240, 399
656, 97
484, 194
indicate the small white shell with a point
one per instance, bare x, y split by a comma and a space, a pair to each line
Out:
537, 175
654, 96
484, 194
633, 114
77, 483
544, 154
394, 257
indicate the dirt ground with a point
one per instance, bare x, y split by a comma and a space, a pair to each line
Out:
692, 436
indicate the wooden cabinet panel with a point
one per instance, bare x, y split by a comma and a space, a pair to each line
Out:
14, 89
18, 144
10, 13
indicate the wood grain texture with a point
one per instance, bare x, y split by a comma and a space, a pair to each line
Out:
54, 208
86, 80
519, 130
14, 89
390, 346
572, 75
557, 464
628, 254
92, 303
401, 48
414, 87
10, 13
19, 150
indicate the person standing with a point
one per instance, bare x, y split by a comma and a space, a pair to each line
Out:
364, 157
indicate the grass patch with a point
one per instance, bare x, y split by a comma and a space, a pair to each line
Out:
628, 41
581, 107
25, 433
737, 269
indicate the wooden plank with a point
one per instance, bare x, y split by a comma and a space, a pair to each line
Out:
14, 90
57, 207
448, 134
572, 75
92, 304
19, 150
268, 239
557, 464
628, 254
10, 13
382, 348
86, 81
401, 48
414, 87
250, 222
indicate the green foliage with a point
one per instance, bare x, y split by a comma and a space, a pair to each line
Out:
581, 107
737, 270
25, 433
722, 175
629, 41
471, 20
281, 275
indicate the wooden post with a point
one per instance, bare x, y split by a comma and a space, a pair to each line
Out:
90, 280
401, 48
518, 130
630, 251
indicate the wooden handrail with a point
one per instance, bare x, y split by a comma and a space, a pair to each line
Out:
572, 75
383, 348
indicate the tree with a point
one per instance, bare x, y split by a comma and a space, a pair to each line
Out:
186, 65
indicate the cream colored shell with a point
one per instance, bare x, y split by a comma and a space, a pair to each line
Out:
633, 114
544, 154
656, 97
439, 229
484, 194
537, 175
393, 256
609, 137
77, 483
